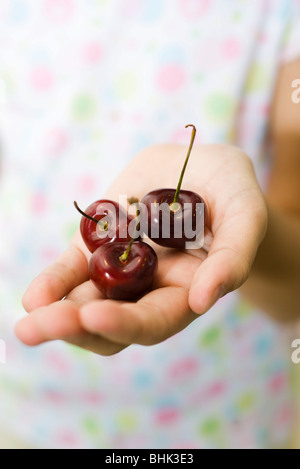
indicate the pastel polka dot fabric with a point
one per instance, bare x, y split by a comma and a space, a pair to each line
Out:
87, 85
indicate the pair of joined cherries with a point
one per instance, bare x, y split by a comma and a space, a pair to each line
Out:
123, 266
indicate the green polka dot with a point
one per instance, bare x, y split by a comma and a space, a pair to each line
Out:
219, 107
152, 46
70, 230
210, 427
91, 426
7, 86
237, 16
78, 352
83, 107
199, 77
93, 156
245, 402
126, 421
243, 310
257, 78
126, 85
210, 337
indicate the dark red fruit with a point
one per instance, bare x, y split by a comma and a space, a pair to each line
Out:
174, 228
123, 272
102, 222
175, 217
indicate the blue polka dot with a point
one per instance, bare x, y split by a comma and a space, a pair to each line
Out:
166, 402
142, 379
141, 141
262, 436
153, 10
24, 254
262, 345
19, 11
40, 184
284, 10
173, 54
231, 414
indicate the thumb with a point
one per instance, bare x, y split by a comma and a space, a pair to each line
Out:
229, 260
221, 272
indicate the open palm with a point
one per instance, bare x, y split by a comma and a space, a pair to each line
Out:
188, 283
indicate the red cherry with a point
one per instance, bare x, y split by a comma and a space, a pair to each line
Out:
174, 228
103, 221
181, 218
123, 272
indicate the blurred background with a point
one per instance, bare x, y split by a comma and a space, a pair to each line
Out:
78, 99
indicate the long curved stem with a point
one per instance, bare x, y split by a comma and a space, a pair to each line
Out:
85, 214
185, 163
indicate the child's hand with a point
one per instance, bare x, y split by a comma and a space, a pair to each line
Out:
186, 281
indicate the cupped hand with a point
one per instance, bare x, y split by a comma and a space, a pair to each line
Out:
64, 304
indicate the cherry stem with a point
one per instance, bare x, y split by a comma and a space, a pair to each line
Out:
132, 200
185, 163
123, 258
85, 214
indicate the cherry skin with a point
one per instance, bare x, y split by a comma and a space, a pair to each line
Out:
122, 276
174, 226
102, 222
174, 216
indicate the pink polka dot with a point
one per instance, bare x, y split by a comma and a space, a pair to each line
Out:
130, 7
49, 254
182, 136
266, 109
86, 184
54, 396
136, 357
92, 52
231, 48
59, 10
92, 397
38, 203
183, 368
194, 9
284, 415
68, 438
42, 78
167, 416
57, 362
120, 377
277, 383
262, 37
216, 389
56, 142
171, 78
211, 49
137, 118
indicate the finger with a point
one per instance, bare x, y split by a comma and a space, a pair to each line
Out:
84, 293
230, 258
157, 316
57, 321
57, 280
60, 321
